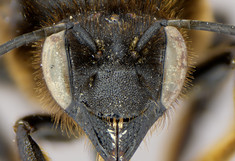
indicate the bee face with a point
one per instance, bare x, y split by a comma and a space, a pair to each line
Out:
114, 73
111, 93
111, 76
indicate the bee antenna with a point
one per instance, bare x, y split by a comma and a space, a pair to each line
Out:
33, 36
147, 35
201, 25
82, 35
187, 24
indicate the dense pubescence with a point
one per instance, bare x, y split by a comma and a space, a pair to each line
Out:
40, 12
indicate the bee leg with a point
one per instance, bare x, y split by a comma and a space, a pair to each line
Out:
28, 148
36, 126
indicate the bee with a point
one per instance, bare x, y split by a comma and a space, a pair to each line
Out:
109, 70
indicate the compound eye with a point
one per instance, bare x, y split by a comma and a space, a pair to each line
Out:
175, 66
55, 68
